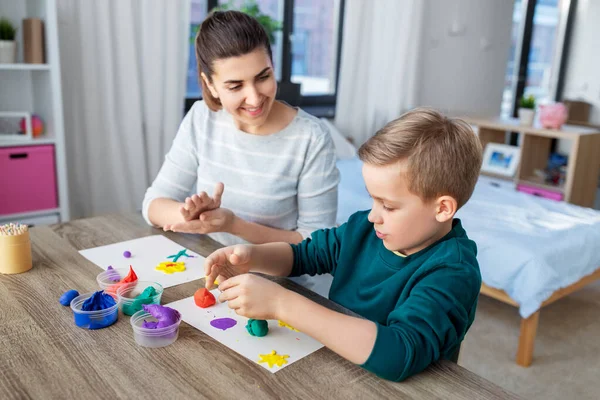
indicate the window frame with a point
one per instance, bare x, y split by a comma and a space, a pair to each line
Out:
318, 105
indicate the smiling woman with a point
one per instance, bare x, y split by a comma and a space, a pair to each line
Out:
272, 165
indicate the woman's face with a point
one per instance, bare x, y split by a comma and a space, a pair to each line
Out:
246, 87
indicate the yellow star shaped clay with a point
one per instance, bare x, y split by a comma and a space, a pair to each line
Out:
169, 267
281, 323
273, 359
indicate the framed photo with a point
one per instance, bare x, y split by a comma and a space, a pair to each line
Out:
501, 159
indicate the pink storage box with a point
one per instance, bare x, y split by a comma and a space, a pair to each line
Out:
27, 179
536, 191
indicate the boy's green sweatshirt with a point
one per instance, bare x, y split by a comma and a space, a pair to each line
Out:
423, 304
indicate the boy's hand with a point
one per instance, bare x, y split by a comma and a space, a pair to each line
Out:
195, 205
218, 220
252, 296
227, 262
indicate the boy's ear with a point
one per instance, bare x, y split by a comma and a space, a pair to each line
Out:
445, 208
210, 86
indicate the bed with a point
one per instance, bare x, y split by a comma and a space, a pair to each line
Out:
531, 251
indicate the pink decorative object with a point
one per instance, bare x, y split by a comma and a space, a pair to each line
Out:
553, 116
548, 194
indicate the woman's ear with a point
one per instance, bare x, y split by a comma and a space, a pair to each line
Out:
446, 207
209, 85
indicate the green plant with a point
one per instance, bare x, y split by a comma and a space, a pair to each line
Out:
527, 102
251, 8
7, 30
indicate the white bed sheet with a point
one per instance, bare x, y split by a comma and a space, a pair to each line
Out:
527, 246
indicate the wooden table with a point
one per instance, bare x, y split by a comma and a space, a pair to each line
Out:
44, 355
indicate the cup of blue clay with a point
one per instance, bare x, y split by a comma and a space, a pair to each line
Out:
96, 319
132, 296
157, 337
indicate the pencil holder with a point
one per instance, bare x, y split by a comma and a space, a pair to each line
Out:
15, 253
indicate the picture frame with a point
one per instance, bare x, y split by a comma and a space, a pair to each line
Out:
10, 126
501, 159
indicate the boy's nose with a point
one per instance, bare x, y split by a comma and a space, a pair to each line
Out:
374, 217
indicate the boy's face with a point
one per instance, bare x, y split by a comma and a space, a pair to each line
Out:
401, 219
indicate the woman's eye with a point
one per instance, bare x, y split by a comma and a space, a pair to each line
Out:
234, 88
264, 77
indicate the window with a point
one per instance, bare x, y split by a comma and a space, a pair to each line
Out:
539, 30
310, 58
198, 13
314, 46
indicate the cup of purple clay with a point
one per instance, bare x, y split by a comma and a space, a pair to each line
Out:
148, 333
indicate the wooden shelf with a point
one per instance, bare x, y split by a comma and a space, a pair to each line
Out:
583, 164
29, 214
25, 67
13, 142
513, 125
535, 182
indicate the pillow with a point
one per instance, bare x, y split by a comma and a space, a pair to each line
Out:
343, 148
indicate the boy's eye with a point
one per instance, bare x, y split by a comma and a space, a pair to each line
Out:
387, 208
234, 88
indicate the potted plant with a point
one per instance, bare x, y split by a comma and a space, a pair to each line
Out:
527, 110
8, 46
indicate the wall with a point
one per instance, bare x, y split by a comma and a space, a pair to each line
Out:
582, 79
466, 46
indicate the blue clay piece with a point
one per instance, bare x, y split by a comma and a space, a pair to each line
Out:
98, 301
99, 318
67, 296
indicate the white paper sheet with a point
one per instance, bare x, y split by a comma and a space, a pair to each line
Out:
146, 254
281, 339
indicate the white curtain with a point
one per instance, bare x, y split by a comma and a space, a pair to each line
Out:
124, 65
379, 66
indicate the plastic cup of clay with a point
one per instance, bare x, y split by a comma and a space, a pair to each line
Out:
158, 337
93, 319
128, 291
107, 278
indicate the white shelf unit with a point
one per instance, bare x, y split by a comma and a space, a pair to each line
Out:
36, 88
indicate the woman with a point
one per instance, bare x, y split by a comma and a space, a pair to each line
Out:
276, 163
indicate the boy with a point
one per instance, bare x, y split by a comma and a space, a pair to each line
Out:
407, 265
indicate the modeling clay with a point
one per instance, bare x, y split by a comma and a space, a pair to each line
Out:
166, 316
257, 327
67, 296
203, 298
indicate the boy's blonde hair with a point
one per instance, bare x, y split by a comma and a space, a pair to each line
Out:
443, 154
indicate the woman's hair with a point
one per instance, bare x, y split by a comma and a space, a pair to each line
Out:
225, 34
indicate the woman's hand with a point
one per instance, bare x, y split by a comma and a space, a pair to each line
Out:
218, 220
195, 205
252, 296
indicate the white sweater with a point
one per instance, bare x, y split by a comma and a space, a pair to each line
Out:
286, 180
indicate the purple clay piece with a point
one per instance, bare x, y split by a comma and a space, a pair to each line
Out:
223, 323
112, 274
166, 316
149, 324
127, 254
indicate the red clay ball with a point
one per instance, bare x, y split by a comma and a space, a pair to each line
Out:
203, 298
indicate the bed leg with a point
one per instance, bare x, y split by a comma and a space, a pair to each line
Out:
527, 338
